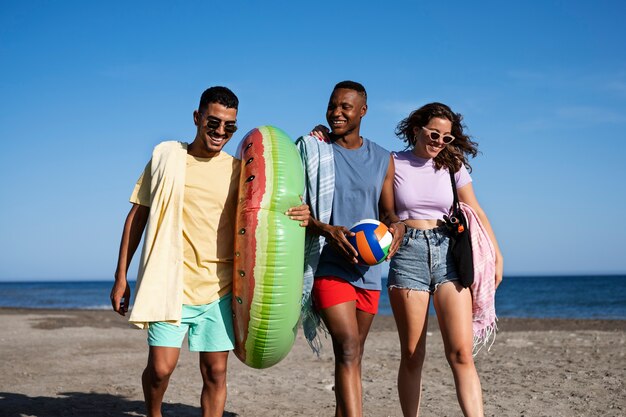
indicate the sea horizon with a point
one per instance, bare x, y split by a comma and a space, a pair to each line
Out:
512, 276
600, 296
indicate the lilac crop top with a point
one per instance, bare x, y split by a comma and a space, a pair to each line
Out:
421, 192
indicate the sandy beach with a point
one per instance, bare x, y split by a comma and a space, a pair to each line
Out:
88, 363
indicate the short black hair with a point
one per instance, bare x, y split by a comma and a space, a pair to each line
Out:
352, 85
220, 95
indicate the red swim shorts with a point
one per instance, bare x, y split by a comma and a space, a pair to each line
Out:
329, 291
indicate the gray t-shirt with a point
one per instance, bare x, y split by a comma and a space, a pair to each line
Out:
359, 177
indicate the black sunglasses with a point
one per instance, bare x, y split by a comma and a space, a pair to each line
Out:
213, 123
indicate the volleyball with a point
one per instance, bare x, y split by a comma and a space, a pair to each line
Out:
371, 240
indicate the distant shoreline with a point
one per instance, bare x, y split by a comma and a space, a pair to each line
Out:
526, 298
133, 281
58, 318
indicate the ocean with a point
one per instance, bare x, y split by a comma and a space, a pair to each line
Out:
581, 297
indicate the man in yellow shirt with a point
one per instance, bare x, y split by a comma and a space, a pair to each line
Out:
185, 200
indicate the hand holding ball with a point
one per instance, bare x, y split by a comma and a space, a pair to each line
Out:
371, 240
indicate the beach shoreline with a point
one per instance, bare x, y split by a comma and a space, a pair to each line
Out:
89, 363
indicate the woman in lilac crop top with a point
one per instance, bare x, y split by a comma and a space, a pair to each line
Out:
423, 265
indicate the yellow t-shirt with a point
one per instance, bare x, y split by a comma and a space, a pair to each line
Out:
209, 206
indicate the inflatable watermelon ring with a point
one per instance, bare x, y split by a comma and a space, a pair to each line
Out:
269, 248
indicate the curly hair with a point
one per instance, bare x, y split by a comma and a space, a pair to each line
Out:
455, 153
220, 95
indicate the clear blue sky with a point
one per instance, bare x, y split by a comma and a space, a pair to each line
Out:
88, 88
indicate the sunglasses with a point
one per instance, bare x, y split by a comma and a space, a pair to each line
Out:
213, 123
434, 135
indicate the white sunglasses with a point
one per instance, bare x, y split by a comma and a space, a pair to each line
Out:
434, 135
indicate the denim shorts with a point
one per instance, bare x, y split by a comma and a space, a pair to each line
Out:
209, 328
423, 261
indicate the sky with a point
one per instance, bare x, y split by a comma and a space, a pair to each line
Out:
87, 89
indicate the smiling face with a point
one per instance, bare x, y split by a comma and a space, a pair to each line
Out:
345, 110
210, 142
423, 145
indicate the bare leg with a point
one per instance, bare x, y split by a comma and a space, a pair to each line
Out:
213, 369
161, 364
364, 321
453, 304
410, 309
348, 329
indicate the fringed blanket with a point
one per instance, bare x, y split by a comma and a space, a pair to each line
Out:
319, 176
484, 286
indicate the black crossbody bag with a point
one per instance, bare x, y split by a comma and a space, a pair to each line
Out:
460, 240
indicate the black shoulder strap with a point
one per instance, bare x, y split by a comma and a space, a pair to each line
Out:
456, 204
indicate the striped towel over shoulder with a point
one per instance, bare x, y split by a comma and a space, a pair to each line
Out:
484, 286
319, 177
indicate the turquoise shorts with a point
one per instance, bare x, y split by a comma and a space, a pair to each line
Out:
209, 328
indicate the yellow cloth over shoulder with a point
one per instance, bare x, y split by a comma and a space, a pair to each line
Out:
159, 290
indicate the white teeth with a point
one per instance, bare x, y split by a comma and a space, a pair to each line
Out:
434, 148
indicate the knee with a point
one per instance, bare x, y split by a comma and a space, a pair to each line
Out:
460, 357
348, 351
414, 358
159, 372
214, 374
